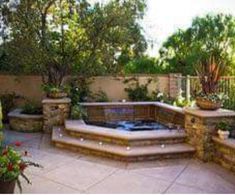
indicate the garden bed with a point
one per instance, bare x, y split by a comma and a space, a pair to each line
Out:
25, 122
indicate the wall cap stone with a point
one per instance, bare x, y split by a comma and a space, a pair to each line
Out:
209, 114
228, 142
17, 114
56, 101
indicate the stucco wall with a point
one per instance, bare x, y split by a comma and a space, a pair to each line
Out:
30, 86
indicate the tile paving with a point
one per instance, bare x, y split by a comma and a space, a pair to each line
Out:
68, 172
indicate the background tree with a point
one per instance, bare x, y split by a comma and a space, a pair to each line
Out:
212, 35
59, 37
143, 65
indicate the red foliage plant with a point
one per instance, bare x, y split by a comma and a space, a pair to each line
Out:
209, 73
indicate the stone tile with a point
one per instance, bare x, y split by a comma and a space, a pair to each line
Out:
49, 161
198, 176
80, 174
168, 173
182, 189
129, 183
42, 185
221, 171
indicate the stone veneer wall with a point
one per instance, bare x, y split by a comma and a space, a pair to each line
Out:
224, 152
55, 111
25, 122
200, 128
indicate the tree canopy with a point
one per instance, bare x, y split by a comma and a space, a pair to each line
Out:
60, 37
212, 35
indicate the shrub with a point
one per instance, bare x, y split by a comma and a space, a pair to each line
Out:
223, 126
31, 108
137, 91
79, 89
77, 112
8, 103
100, 96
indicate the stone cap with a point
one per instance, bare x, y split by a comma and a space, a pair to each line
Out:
56, 101
17, 114
228, 142
209, 114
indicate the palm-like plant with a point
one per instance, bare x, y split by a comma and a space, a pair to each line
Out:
209, 73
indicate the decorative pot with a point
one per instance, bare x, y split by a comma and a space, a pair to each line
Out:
206, 104
223, 134
57, 95
7, 187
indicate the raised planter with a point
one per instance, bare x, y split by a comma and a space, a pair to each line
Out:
25, 122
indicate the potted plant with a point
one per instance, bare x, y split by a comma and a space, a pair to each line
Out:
209, 73
12, 165
55, 92
223, 130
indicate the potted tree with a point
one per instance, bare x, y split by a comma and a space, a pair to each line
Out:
223, 130
12, 165
209, 73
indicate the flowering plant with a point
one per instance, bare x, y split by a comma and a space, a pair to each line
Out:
12, 165
213, 97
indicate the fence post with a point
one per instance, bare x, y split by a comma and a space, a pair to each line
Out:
188, 88
174, 84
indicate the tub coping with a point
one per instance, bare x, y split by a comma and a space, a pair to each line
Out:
17, 114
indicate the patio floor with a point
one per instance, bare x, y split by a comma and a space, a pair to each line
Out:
67, 172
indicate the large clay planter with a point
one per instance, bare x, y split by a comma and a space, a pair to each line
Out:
57, 95
206, 104
7, 187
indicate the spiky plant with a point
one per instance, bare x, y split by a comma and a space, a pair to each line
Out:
209, 73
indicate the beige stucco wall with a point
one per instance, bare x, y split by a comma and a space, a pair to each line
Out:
30, 86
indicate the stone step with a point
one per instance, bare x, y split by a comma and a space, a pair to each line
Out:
78, 128
134, 153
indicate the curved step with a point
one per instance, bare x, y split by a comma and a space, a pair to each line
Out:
134, 153
79, 129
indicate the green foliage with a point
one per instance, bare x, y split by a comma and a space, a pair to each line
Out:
212, 35
31, 108
181, 101
78, 112
12, 165
214, 97
137, 91
8, 103
55, 38
143, 65
223, 126
1, 126
50, 88
79, 89
100, 96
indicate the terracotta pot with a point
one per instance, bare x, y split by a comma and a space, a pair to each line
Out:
57, 95
223, 134
206, 104
7, 187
